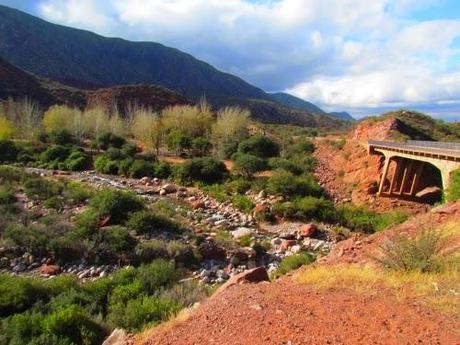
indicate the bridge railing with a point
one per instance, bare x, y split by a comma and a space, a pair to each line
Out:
419, 146
436, 144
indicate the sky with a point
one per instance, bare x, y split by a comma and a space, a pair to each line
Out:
362, 56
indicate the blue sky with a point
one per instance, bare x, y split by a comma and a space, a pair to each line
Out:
363, 56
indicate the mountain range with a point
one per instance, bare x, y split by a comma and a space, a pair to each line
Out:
84, 60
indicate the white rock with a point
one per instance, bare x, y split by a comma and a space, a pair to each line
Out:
242, 232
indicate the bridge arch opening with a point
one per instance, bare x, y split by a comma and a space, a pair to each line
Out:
412, 179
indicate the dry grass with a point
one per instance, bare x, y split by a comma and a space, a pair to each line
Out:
439, 290
175, 320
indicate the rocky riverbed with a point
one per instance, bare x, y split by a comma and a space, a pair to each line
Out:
208, 218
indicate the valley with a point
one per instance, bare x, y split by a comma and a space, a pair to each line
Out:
147, 197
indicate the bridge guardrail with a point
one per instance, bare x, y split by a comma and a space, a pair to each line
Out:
419, 146
435, 144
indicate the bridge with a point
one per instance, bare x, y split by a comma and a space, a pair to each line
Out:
411, 159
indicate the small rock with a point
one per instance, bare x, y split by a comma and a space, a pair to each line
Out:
307, 230
242, 232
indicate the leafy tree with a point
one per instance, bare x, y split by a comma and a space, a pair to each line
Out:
260, 146
177, 140
62, 117
146, 127
6, 128
229, 129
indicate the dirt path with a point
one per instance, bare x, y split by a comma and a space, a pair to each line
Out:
286, 312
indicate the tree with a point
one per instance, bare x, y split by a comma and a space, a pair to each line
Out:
60, 117
178, 141
26, 117
260, 146
229, 129
146, 126
6, 128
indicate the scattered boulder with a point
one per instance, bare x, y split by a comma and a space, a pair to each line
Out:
198, 205
286, 244
118, 337
211, 251
255, 275
242, 232
168, 189
50, 270
306, 230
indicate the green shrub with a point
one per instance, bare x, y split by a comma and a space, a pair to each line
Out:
239, 186
117, 239
413, 254
291, 166
116, 204
306, 208
242, 202
8, 151
247, 165
362, 219
162, 169
72, 324
61, 137
292, 262
148, 222
77, 161
21, 328
18, 294
158, 274
286, 184
141, 168
260, 146
39, 188
106, 140
301, 148
205, 169
7, 196
453, 191
151, 250
141, 311
55, 153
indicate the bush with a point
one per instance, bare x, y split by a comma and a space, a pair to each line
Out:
8, 151
162, 170
141, 168
141, 311
106, 140
453, 191
292, 262
117, 239
243, 203
413, 254
77, 161
7, 196
206, 170
306, 208
260, 146
362, 219
247, 165
61, 137
286, 184
17, 294
301, 148
72, 324
159, 274
41, 189
116, 204
148, 222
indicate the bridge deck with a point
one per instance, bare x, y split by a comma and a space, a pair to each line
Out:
450, 151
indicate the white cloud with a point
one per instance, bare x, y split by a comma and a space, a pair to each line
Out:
344, 53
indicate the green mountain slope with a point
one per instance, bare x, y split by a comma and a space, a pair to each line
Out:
83, 59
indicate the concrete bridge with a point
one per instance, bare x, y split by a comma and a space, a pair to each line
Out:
411, 158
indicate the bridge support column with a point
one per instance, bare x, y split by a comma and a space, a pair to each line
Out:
417, 175
408, 170
445, 175
384, 175
396, 183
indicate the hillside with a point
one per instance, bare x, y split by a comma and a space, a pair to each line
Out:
405, 124
86, 60
17, 84
297, 103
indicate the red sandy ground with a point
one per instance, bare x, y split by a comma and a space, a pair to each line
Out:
286, 312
